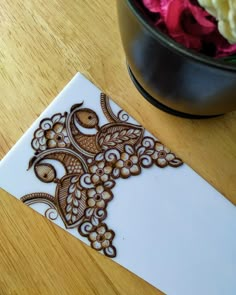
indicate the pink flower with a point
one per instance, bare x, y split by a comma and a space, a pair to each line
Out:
152, 5
190, 25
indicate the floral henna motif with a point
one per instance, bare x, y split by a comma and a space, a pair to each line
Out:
92, 163
128, 164
98, 197
50, 134
100, 172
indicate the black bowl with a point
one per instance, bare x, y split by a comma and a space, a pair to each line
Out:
173, 78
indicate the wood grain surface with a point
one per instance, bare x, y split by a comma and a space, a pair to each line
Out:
43, 44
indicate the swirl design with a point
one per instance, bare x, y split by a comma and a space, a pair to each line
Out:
83, 193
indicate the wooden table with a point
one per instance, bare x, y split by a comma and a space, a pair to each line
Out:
43, 44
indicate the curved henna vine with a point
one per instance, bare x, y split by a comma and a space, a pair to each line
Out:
92, 163
30, 199
107, 111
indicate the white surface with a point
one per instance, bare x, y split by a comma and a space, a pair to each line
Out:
172, 228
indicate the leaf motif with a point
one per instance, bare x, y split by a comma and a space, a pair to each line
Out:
175, 162
39, 133
149, 152
68, 208
108, 137
74, 179
123, 132
78, 194
116, 173
76, 203
72, 188
129, 132
111, 143
35, 144
129, 149
94, 221
71, 201
110, 251
89, 212
118, 135
99, 157
109, 184
42, 140
101, 141
56, 118
141, 151
115, 135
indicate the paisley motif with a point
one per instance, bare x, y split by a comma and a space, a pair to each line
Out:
92, 163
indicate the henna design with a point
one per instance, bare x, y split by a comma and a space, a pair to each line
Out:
30, 199
106, 108
92, 163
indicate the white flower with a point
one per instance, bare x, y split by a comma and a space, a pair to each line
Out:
98, 197
162, 155
127, 164
50, 134
100, 172
101, 238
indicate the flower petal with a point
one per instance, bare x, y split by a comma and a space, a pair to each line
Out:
95, 178
119, 164
107, 169
166, 150
170, 157
104, 177
106, 195
101, 204
101, 229
64, 132
58, 127
91, 202
49, 134
66, 140
125, 172
93, 236
91, 193
124, 156
116, 173
135, 170
161, 162
134, 159
105, 244
93, 168
152, 5
159, 147
109, 235
42, 140
61, 144
101, 165
51, 143
99, 189
96, 245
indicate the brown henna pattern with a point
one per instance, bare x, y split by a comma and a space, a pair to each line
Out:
91, 165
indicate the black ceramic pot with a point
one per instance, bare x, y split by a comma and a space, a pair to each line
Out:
170, 76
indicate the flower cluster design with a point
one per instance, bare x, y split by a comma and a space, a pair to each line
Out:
92, 165
51, 134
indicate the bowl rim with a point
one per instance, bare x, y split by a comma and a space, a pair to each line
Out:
175, 46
